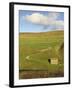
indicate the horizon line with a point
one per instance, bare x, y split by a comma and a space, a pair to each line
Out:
39, 32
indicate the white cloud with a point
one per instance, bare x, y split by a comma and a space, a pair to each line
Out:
50, 19
36, 18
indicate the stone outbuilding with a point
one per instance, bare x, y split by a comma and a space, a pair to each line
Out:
53, 61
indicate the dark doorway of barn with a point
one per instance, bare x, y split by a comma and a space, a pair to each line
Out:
49, 61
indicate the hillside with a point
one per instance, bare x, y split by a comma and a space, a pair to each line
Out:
36, 48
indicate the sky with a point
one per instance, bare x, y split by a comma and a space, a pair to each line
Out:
40, 21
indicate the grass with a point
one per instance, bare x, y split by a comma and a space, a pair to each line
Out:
40, 47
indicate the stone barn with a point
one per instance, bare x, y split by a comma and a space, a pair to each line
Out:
53, 61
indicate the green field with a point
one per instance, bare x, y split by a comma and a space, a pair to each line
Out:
34, 51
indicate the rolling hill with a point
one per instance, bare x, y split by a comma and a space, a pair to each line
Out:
36, 48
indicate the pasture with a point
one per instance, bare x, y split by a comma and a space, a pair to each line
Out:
34, 51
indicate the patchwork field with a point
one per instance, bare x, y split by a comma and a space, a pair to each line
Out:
36, 50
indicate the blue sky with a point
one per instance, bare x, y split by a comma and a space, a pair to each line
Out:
35, 21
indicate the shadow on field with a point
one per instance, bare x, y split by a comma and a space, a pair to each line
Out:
29, 74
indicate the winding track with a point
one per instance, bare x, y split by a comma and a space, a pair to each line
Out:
40, 51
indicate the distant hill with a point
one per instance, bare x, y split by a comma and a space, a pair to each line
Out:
49, 33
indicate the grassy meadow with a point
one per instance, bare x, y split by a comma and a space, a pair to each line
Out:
34, 51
